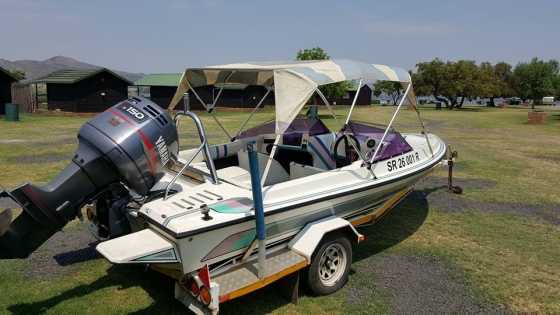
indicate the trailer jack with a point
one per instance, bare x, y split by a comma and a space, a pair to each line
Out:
450, 161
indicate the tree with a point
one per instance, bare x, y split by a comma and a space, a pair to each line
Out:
429, 77
462, 81
334, 90
495, 81
557, 87
316, 53
488, 82
393, 89
18, 74
450, 82
453, 82
505, 75
536, 79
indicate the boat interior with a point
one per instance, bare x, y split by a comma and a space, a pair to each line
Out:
307, 147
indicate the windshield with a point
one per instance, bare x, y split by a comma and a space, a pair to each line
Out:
394, 143
292, 135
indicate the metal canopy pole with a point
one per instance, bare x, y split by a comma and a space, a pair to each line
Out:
353, 102
327, 104
334, 116
390, 123
270, 158
217, 98
253, 112
423, 129
210, 111
259, 207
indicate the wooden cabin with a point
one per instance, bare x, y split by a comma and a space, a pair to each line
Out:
364, 97
84, 90
160, 88
6, 81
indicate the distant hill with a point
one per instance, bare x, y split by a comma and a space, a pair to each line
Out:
35, 69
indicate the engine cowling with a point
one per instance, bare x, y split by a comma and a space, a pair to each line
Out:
129, 143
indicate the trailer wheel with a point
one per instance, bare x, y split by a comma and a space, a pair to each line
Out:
330, 265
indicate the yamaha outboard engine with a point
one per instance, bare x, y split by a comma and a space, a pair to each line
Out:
126, 146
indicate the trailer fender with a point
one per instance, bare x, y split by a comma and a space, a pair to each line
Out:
307, 240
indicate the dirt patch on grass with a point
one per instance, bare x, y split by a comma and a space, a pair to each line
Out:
50, 141
59, 141
11, 141
62, 254
432, 182
39, 158
434, 189
546, 157
418, 285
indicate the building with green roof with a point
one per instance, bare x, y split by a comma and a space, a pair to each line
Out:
159, 87
84, 90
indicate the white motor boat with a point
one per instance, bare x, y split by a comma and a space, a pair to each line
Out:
198, 219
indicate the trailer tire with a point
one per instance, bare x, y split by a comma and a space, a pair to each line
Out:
330, 265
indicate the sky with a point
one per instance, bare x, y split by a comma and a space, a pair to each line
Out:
167, 36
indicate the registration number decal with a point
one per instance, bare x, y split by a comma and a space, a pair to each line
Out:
403, 161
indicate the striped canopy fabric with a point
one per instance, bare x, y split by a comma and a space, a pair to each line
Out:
294, 82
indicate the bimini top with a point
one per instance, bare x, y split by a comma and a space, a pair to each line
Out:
294, 82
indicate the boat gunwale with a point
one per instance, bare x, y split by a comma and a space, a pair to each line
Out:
290, 207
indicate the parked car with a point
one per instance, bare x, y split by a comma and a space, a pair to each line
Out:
514, 101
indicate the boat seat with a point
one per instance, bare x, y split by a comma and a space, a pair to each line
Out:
320, 147
299, 170
276, 174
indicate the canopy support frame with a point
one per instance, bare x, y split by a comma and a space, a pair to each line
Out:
424, 131
252, 113
210, 110
389, 126
326, 102
270, 158
353, 103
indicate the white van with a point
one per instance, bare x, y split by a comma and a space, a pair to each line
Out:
548, 100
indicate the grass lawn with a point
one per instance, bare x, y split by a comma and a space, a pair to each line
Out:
494, 248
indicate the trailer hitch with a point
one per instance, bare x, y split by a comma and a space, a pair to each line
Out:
450, 161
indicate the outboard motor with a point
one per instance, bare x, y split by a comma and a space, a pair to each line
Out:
126, 146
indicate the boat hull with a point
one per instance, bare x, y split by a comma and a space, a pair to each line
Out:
216, 246
352, 193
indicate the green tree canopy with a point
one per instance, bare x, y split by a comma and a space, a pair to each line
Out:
557, 87
461, 81
393, 89
334, 90
536, 79
495, 81
430, 78
454, 81
316, 53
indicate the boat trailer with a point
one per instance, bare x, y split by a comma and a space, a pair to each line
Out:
203, 291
